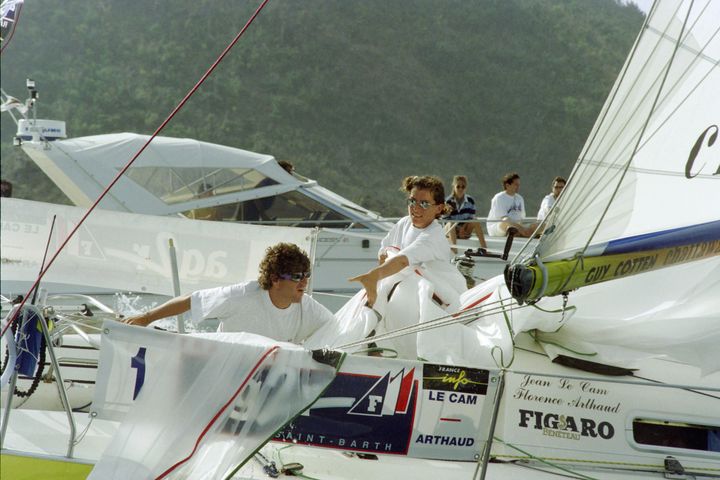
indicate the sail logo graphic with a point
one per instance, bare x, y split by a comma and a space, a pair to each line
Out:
388, 396
360, 412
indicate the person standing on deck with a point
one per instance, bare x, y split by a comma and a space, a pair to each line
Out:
508, 210
274, 306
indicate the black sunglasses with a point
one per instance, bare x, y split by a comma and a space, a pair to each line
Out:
295, 277
424, 204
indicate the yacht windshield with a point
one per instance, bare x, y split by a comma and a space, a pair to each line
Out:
182, 184
287, 209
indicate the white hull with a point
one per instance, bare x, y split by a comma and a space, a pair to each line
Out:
602, 446
207, 253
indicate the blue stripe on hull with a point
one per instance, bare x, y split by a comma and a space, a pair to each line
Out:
705, 232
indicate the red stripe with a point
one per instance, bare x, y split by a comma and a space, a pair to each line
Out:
229, 402
405, 390
475, 303
450, 420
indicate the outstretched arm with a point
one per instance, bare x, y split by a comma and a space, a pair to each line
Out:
369, 280
176, 306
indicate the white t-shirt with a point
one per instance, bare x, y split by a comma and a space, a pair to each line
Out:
245, 307
427, 248
419, 245
504, 205
545, 206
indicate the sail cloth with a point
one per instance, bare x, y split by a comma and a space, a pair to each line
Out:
652, 161
203, 403
671, 313
134, 247
408, 298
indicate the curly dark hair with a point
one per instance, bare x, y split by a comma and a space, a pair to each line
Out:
430, 183
281, 259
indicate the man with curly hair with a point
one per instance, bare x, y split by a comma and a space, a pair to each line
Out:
274, 306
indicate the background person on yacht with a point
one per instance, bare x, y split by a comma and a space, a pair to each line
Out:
508, 210
462, 208
418, 237
274, 306
548, 201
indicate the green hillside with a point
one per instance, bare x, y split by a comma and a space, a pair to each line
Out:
357, 94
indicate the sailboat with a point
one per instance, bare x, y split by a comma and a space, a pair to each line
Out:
532, 378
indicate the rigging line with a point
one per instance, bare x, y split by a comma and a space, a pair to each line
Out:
139, 152
429, 325
47, 247
601, 120
687, 389
681, 38
698, 55
545, 461
642, 131
653, 107
594, 145
634, 375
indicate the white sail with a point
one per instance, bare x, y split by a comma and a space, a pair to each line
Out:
116, 251
233, 391
652, 161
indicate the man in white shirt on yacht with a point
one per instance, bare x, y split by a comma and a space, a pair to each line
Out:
557, 187
274, 306
508, 210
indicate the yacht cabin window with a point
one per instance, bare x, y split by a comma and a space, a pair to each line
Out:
181, 184
670, 435
287, 209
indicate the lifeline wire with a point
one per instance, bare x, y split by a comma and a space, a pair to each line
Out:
142, 149
465, 317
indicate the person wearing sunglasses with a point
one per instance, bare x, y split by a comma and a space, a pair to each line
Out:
275, 305
418, 238
558, 184
463, 212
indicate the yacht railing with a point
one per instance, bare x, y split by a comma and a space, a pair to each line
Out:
59, 380
291, 222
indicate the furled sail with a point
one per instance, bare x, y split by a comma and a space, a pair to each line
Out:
644, 193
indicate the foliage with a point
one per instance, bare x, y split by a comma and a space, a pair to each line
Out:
355, 94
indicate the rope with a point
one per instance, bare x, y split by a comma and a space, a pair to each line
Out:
282, 465
328, 294
586, 156
139, 152
465, 317
554, 465
38, 372
82, 434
